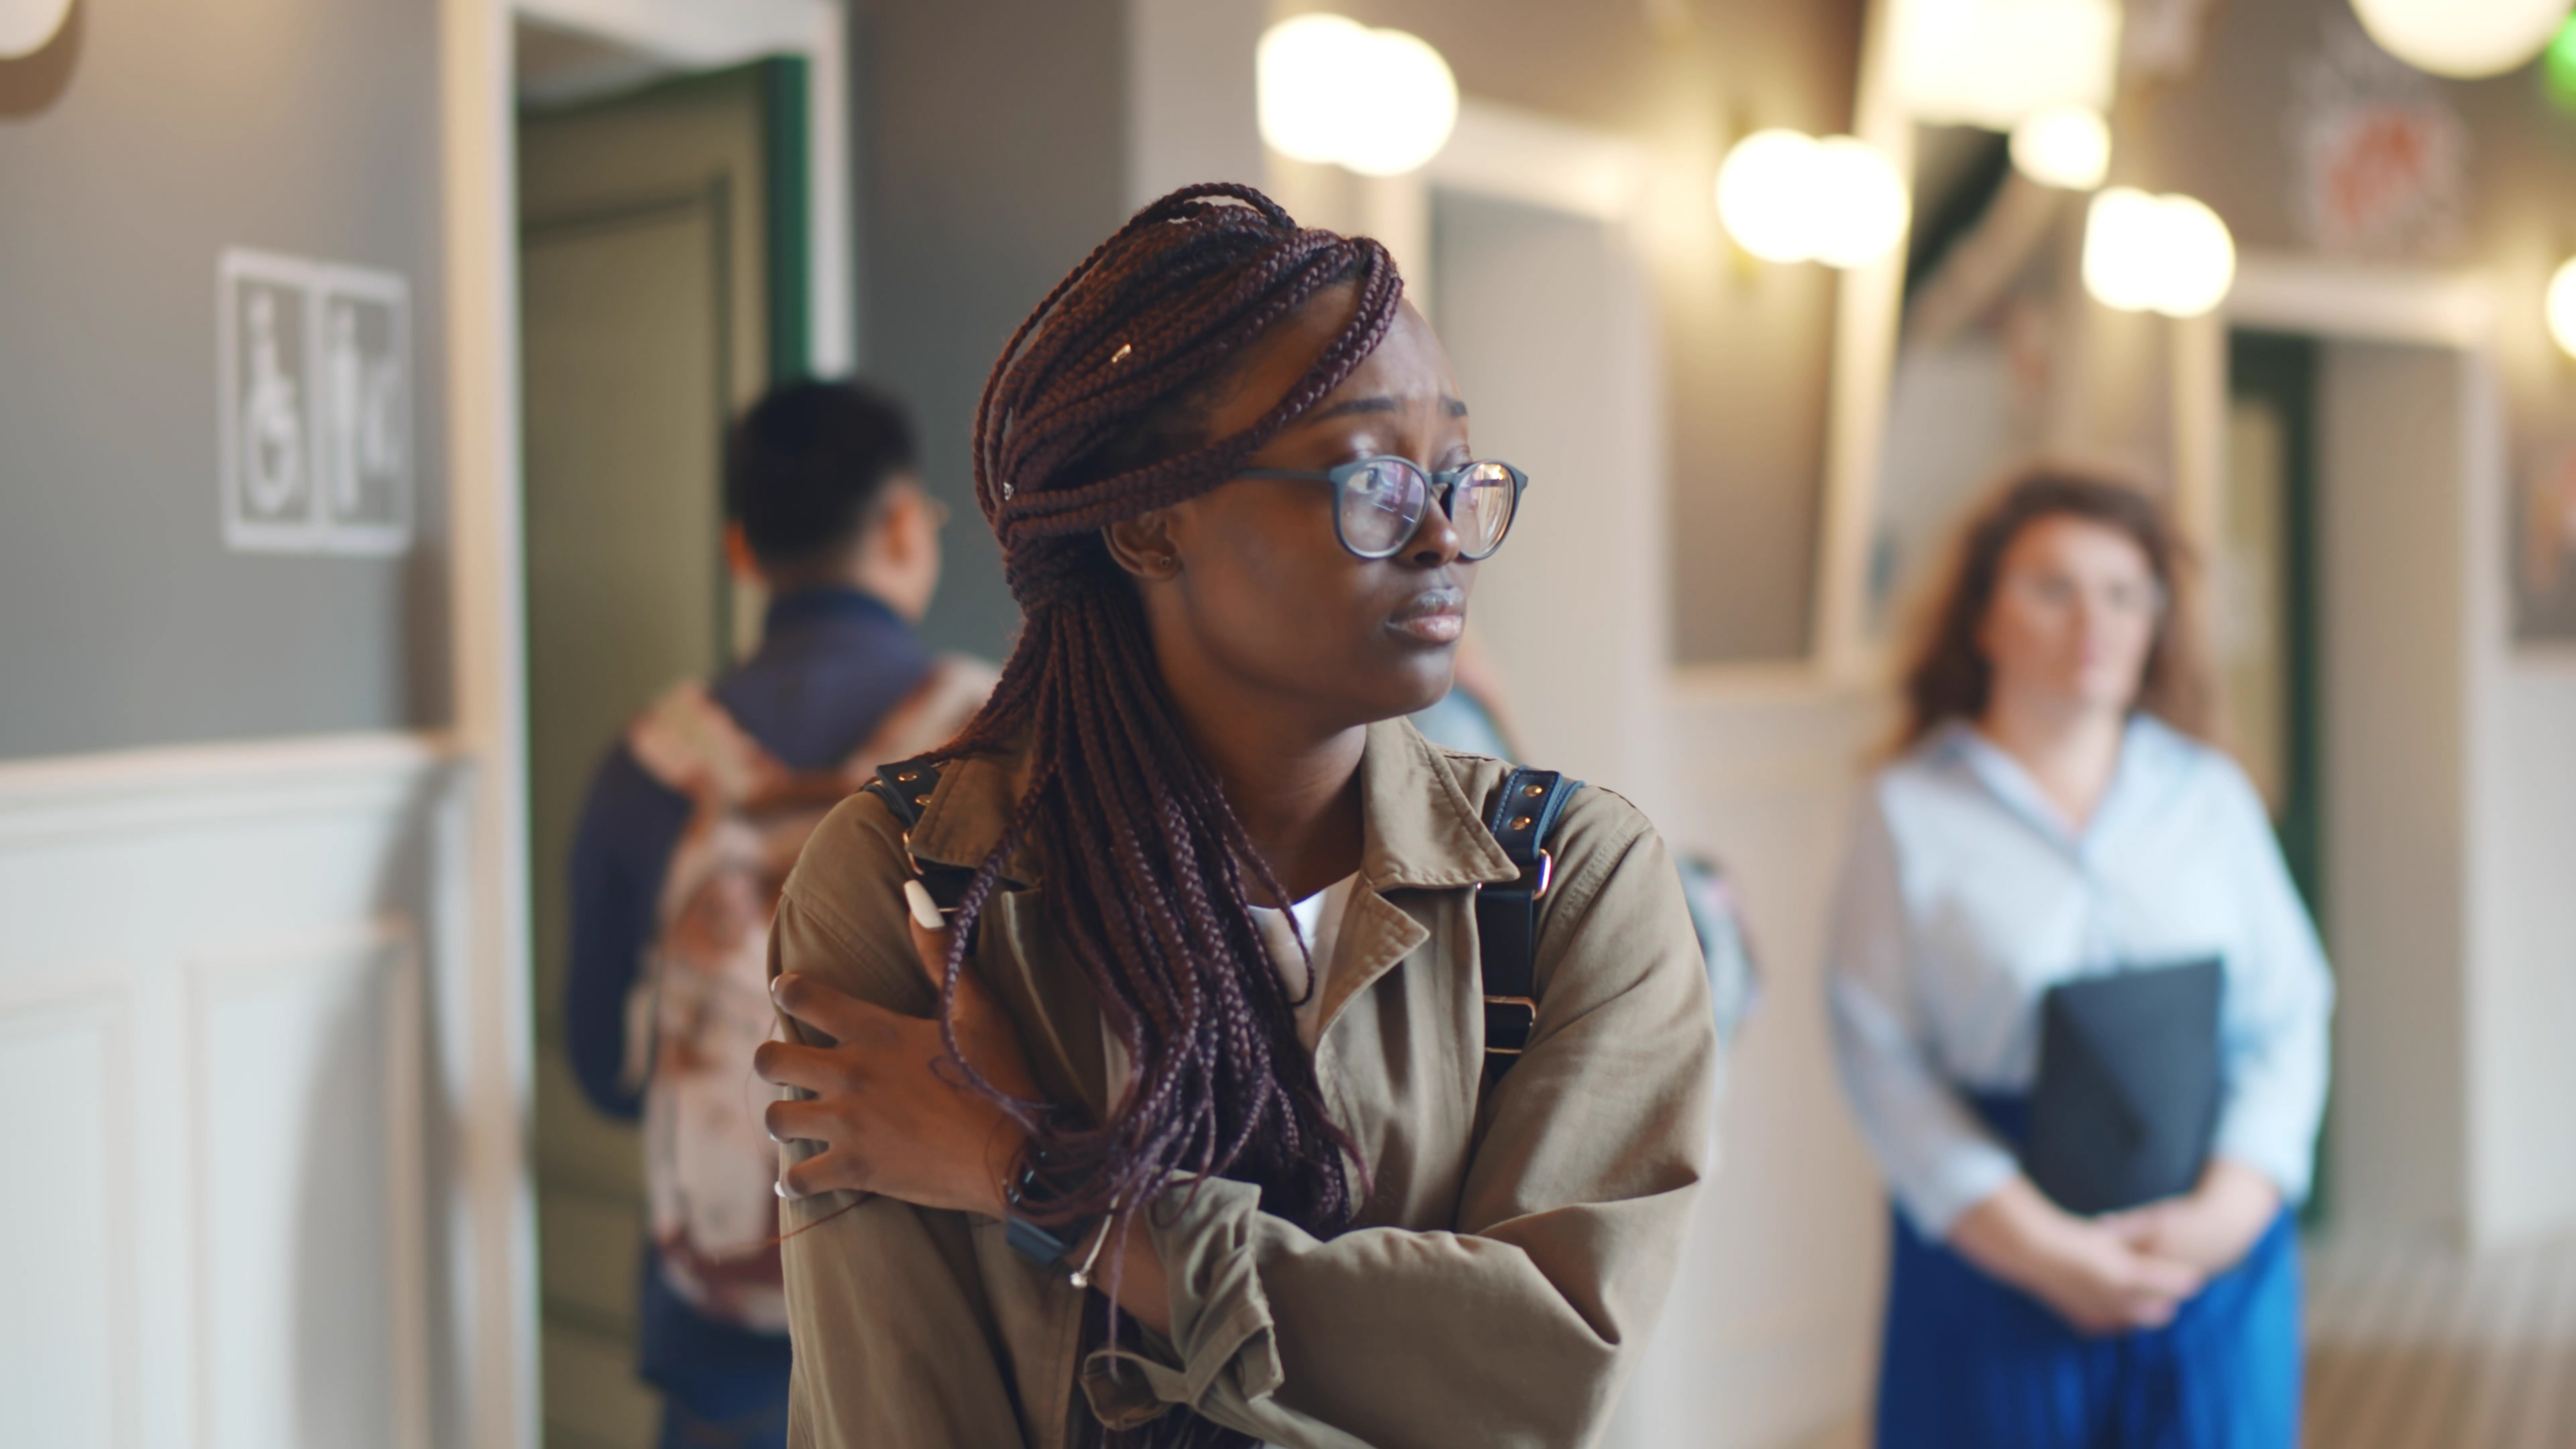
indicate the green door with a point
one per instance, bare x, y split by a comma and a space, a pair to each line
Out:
2268, 613
662, 285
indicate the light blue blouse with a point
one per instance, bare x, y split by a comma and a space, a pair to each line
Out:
1965, 897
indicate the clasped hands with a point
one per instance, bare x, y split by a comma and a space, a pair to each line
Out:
2127, 1270
891, 1114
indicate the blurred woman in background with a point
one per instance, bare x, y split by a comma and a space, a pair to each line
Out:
2055, 824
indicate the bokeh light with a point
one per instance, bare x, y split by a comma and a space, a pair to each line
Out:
2464, 39
1991, 63
2558, 65
2560, 306
1332, 91
1788, 197
26, 25
2064, 146
2168, 254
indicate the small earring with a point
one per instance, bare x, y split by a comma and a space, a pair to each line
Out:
1170, 563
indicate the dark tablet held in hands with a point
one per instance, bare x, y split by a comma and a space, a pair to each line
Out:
2128, 1094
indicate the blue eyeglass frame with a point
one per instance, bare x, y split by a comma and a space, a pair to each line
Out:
1438, 487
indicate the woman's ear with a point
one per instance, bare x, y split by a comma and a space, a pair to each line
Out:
1142, 545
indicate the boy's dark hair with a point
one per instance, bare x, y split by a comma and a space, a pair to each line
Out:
805, 465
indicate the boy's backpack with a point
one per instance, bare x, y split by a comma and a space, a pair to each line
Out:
702, 1005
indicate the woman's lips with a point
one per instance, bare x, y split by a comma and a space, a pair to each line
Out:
1436, 617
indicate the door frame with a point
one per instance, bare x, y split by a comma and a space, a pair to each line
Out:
497, 1346
2456, 314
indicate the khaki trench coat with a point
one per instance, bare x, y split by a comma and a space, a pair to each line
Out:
1517, 1241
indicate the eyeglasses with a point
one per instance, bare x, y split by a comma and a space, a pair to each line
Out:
2058, 594
1379, 502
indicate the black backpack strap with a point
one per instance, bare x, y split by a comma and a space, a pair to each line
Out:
905, 787
1523, 813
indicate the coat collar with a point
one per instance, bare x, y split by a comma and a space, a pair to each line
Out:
1420, 829
1422, 832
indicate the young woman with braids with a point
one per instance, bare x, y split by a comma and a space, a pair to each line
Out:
1232, 482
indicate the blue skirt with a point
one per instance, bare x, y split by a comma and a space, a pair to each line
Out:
1972, 1363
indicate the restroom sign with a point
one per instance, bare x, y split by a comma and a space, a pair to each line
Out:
315, 389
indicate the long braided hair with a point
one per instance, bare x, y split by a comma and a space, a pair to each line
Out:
1095, 413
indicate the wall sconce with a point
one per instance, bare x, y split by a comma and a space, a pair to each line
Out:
1787, 197
2168, 254
2063, 146
2464, 39
1335, 92
2559, 306
26, 25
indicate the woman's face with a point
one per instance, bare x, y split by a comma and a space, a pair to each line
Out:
2073, 617
1247, 585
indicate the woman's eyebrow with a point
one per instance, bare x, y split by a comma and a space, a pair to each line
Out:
1381, 403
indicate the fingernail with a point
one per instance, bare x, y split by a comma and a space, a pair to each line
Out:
780, 1188
777, 984
925, 911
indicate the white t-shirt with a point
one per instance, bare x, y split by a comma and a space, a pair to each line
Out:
1319, 920
1319, 917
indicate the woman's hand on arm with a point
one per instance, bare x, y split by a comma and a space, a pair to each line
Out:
2095, 1275
890, 1115
2211, 1227
892, 1120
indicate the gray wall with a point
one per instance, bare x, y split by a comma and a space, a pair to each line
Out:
162, 133
991, 144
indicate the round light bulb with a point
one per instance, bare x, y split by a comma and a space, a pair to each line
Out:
2063, 146
1861, 203
2168, 254
2560, 306
1410, 105
26, 26
2464, 39
1765, 195
1329, 90
2199, 258
2121, 231
1303, 79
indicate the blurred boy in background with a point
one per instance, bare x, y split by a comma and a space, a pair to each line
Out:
691, 824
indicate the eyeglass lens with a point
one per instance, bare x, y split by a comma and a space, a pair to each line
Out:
1383, 501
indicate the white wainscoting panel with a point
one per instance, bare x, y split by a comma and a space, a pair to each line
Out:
63, 1104
219, 1154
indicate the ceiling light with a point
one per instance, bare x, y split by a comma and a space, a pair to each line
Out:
2560, 306
1861, 203
1333, 91
27, 25
1762, 195
1787, 197
2168, 254
1992, 62
2064, 146
2464, 39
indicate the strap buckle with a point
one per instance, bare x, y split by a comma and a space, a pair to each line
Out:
1510, 1018
1546, 872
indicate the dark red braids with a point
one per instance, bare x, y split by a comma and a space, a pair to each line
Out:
1095, 413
